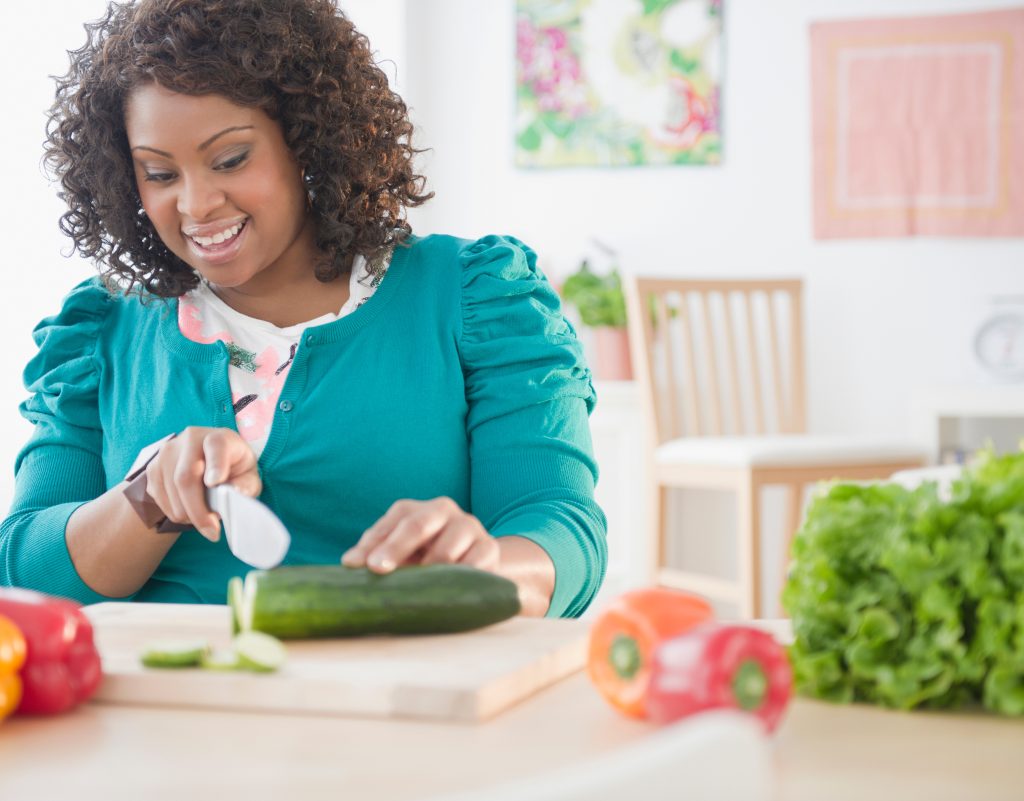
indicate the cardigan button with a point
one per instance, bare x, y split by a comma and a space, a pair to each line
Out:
285, 406
310, 341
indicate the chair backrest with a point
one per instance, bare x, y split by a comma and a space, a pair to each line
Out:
718, 357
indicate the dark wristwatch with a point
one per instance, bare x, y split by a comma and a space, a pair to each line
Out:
138, 497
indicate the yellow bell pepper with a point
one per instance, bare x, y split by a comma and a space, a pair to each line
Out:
12, 657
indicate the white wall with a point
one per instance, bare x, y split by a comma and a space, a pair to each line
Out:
886, 318
383, 23
35, 276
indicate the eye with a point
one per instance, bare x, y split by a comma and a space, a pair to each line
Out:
159, 177
234, 161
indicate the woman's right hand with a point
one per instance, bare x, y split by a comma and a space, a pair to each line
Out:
198, 458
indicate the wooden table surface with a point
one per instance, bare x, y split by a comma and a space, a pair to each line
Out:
822, 752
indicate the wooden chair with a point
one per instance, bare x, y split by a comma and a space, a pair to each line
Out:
720, 365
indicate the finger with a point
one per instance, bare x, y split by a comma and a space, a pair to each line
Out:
451, 544
414, 531
192, 496
417, 556
356, 555
155, 490
160, 487
249, 483
375, 534
228, 457
483, 554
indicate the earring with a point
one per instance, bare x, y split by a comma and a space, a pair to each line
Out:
309, 193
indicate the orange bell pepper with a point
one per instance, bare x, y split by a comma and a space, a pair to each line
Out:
625, 635
12, 657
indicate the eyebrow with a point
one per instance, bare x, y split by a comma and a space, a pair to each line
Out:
201, 147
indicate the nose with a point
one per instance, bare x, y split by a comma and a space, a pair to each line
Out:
199, 198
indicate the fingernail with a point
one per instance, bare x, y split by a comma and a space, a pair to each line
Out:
382, 563
209, 477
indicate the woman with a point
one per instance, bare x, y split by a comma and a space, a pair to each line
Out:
240, 170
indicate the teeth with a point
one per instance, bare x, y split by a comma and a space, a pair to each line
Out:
219, 238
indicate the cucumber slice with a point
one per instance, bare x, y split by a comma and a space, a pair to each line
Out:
247, 601
174, 653
221, 659
258, 651
235, 595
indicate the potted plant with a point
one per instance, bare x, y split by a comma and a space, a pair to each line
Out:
602, 308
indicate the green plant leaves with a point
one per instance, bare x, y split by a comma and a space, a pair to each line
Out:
904, 599
599, 299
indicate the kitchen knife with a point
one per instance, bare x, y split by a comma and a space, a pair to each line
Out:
254, 533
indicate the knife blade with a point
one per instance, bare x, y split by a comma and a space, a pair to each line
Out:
254, 533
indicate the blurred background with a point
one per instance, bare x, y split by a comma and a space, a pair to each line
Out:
891, 323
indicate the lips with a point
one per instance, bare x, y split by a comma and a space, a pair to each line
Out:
210, 235
204, 242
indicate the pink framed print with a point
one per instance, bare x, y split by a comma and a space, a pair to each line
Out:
918, 126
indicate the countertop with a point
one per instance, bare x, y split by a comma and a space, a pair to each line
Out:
820, 752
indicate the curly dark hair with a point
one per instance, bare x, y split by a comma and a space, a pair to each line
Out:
300, 61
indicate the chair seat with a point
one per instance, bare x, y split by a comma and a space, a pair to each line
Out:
785, 450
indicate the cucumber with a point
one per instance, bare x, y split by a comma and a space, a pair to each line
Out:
309, 601
221, 659
175, 653
258, 651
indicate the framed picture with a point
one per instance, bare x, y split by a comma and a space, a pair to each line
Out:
618, 82
919, 125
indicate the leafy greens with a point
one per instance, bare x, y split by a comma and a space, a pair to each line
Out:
905, 599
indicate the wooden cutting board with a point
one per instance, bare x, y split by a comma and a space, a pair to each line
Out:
465, 677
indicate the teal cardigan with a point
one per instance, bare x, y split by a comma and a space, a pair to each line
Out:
460, 377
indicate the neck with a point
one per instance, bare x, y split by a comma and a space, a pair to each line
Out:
289, 292
296, 302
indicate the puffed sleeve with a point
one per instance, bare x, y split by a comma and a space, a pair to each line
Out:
61, 466
529, 394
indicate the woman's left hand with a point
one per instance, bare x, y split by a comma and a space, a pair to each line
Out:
424, 532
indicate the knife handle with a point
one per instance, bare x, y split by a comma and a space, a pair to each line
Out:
137, 495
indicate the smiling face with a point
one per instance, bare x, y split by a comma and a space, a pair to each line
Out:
221, 188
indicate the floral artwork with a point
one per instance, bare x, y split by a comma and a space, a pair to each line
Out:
919, 125
618, 82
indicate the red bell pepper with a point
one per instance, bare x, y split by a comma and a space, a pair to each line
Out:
715, 666
62, 667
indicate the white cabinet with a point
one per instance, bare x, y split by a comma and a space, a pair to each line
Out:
617, 429
955, 421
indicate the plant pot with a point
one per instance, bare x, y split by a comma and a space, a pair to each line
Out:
611, 354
